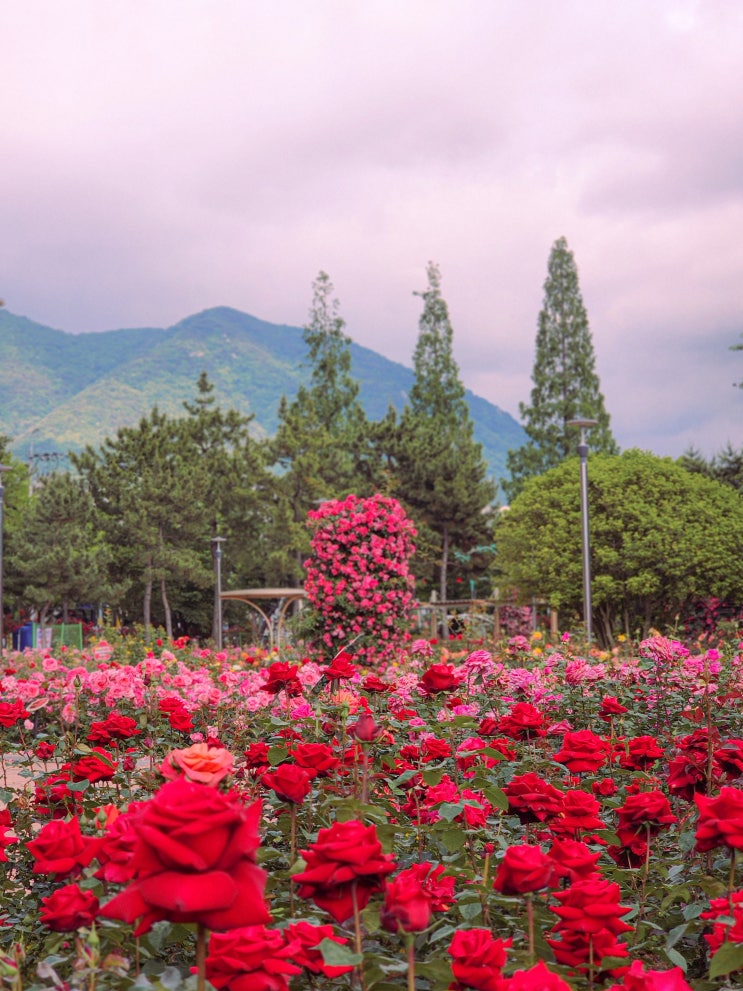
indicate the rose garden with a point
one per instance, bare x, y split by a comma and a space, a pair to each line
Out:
369, 809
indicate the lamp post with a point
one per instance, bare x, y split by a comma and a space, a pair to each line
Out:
217, 546
584, 425
3, 469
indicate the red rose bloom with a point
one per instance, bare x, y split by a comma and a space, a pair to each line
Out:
579, 813
68, 908
317, 759
98, 766
523, 722
117, 849
477, 959
407, 905
365, 729
307, 954
340, 668
537, 978
720, 820
591, 905
532, 798
252, 958
439, 678
643, 815
194, 861
582, 750
687, 775
11, 712
282, 677
639, 979
290, 782
524, 868
642, 752
256, 758
573, 859
610, 707
346, 859
61, 849
5, 841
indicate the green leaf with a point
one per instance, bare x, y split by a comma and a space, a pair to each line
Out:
277, 754
336, 955
432, 776
727, 959
676, 959
78, 785
450, 810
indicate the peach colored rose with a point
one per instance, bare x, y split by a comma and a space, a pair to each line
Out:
200, 762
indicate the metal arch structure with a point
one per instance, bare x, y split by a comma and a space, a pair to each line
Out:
253, 596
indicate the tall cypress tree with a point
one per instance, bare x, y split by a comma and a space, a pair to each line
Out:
566, 386
441, 472
322, 445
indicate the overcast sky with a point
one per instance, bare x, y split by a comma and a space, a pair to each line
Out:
164, 157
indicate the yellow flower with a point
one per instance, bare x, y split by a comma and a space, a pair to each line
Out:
536, 635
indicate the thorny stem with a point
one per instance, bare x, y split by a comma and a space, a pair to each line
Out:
201, 934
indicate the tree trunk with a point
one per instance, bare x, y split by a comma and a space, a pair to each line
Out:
215, 603
147, 604
166, 609
65, 613
442, 578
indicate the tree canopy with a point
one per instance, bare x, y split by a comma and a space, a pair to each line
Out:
660, 538
566, 385
441, 474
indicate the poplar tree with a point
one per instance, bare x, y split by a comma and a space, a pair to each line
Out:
321, 446
566, 386
441, 472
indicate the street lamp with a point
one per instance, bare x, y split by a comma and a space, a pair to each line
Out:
3, 469
584, 425
217, 545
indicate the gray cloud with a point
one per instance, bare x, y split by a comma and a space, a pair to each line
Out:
187, 155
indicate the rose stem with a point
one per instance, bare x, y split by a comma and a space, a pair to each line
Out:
201, 932
411, 961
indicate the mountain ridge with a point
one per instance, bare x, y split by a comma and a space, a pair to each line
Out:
62, 391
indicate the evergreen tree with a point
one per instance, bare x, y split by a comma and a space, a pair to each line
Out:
152, 498
322, 446
566, 386
441, 472
65, 559
221, 449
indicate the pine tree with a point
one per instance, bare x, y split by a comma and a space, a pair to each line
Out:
566, 386
322, 446
441, 472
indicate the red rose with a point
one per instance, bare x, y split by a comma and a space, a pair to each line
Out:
365, 729
478, 959
5, 841
11, 712
256, 758
582, 750
282, 677
687, 775
538, 978
194, 861
251, 958
52, 797
98, 766
578, 813
346, 860
720, 820
531, 798
308, 955
639, 979
585, 952
44, 750
374, 684
434, 749
68, 908
290, 782
524, 868
317, 759
340, 668
116, 852
590, 905
643, 815
642, 752
61, 849
413, 895
439, 678
573, 859
522, 722
610, 707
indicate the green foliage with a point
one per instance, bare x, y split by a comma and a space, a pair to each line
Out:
63, 560
660, 536
322, 446
725, 467
566, 386
441, 473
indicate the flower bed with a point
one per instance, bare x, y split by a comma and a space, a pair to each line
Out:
537, 818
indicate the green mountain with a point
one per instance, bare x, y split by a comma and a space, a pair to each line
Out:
61, 391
